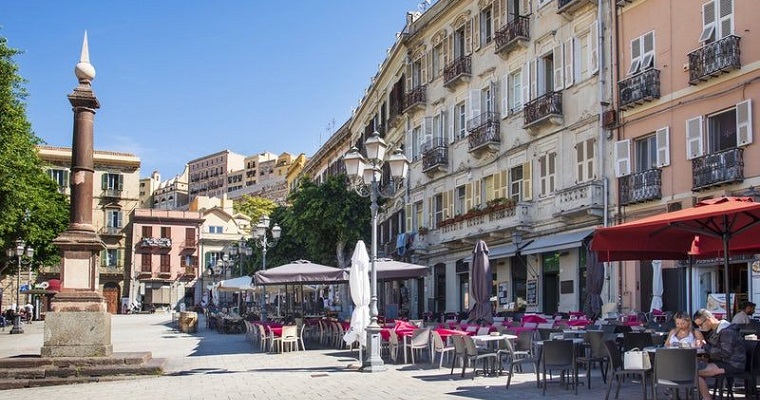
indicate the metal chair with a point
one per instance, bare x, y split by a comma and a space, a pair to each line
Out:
597, 353
619, 372
637, 340
675, 368
749, 375
515, 361
559, 355
473, 355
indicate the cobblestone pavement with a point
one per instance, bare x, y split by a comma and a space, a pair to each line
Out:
209, 365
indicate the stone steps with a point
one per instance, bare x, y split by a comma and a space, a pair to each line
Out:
33, 370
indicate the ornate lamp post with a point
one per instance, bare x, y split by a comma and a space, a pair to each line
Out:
19, 251
365, 176
261, 241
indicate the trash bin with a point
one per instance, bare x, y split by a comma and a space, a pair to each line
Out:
188, 321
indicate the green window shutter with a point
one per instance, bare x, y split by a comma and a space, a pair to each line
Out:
121, 182
104, 181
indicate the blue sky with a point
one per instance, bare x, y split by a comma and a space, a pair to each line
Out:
181, 79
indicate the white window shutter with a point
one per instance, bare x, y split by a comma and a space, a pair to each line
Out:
525, 86
623, 158
505, 96
527, 183
593, 51
452, 126
726, 18
744, 122
647, 53
409, 151
494, 96
534, 78
708, 21
424, 68
558, 57
662, 137
477, 38
524, 7
409, 74
569, 57
474, 103
427, 130
635, 56
693, 137
467, 38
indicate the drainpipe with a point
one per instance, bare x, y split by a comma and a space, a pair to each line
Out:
602, 131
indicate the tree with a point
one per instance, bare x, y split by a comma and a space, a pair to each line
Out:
255, 207
31, 208
326, 218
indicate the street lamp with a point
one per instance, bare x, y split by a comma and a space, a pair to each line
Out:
240, 248
19, 251
365, 177
261, 241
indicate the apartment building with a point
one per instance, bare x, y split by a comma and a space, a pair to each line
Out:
328, 159
164, 266
115, 196
207, 175
687, 75
266, 175
171, 194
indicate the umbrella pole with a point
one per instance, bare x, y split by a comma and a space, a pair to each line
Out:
725, 269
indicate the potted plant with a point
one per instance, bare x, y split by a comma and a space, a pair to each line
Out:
422, 230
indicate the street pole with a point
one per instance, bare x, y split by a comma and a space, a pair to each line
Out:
264, 289
375, 361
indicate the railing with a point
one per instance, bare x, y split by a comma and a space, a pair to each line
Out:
718, 168
644, 86
714, 59
190, 270
462, 66
111, 193
568, 5
111, 269
518, 28
434, 154
189, 244
543, 107
163, 243
415, 97
480, 121
502, 216
641, 186
486, 135
580, 198
111, 230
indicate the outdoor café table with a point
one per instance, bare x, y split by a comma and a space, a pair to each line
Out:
574, 332
490, 340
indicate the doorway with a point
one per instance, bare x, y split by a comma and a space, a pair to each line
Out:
551, 293
645, 285
111, 297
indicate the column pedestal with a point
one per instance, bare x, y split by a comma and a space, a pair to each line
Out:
374, 361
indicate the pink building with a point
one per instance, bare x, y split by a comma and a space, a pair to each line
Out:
165, 262
688, 74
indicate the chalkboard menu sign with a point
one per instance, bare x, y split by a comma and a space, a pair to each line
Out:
531, 292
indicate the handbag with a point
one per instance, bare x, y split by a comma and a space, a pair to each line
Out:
636, 359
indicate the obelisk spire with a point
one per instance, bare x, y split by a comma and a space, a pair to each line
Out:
84, 71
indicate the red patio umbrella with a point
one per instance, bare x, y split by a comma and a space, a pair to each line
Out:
723, 226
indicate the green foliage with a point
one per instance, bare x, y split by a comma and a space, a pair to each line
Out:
24, 186
255, 207
323, 220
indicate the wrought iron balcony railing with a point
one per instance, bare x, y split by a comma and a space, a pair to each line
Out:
512, 33
111, 230
639, 88
111, 193
718, 169
164, 243
459, 68
484, 131
435, 155
568, 6
543, 107
714, 59
640, 187
416, 98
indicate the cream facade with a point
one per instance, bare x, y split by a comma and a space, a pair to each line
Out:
687, 100
208, 175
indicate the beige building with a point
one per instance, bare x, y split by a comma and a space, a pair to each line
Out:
265, 175
171, 194
686, 77
207, 175
115, 196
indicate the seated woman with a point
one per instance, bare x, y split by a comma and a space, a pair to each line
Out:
684, 334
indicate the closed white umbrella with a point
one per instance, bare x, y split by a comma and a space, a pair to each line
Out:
358, 282
656, 285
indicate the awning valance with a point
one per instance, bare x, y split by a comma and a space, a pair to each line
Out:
556, 242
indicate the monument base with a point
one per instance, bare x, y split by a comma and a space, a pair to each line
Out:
77, 334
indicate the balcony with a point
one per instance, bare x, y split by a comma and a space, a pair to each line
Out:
415, 99
484, 133
717, 169
112, 270
583, 199
513, 35
547, 107
503, 216
640, 187
190, 272
435, 156
640, 88
189, 245
162, 243
111, 193
459, 71
714, 59
569, 7
111, 231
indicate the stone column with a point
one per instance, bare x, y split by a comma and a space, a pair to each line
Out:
79, 325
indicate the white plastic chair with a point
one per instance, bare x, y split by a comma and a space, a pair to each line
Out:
439, 347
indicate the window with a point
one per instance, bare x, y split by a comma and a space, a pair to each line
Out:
147, 231
416, 74
417, 139
147, 261
113, 218
112, 182
460, 117
544, 81
166, 232
726, 129
584, 152
166, 260
417, 221
437, 61
110, 258
642, 53
548, 169
717, 20
438, 208
651, 151
60, 177
646, 153
459, 41
516, 183
487, 189
514, 91
486, 26
439, 127
487, 98
459, 200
